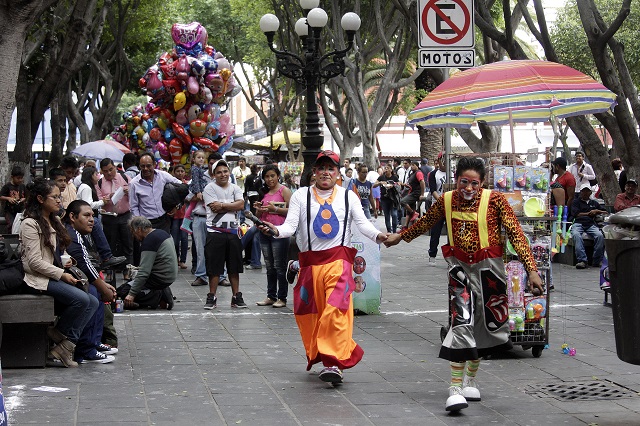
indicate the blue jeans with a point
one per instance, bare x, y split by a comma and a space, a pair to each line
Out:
275, 252
436, 230
390, 214
253, 237
74, 308
91, 335
598, 242
199, 228
180, 239
366, 208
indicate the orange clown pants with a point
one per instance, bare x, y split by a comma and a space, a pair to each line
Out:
323, 307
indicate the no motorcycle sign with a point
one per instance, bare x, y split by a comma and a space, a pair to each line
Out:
446, 33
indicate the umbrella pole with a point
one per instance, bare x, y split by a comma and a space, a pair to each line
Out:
513, 139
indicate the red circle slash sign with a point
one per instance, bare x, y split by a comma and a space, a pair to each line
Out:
460, 32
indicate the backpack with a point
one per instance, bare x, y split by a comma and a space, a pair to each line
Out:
125, 177
173, 195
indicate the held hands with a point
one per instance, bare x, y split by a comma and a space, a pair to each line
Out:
392, 240
382, 237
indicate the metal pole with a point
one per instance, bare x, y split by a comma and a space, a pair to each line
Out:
271, 128
312, 139
44, 163
447, 136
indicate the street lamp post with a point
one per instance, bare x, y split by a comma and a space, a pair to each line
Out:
311, 70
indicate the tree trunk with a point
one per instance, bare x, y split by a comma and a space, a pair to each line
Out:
15, 20
431, 143
62, 55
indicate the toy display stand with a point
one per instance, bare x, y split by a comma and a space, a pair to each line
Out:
528, 313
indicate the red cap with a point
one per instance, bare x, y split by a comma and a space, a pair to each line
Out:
335, 158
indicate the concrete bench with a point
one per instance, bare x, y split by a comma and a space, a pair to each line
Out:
569, 256
25, 318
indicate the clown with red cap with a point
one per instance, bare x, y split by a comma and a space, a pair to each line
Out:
323, 216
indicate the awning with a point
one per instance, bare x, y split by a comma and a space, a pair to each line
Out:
278, 139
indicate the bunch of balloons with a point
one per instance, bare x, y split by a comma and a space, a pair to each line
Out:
187, 87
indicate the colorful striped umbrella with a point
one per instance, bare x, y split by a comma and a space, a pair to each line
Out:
511, 91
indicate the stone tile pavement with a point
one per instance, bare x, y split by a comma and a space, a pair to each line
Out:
191, 366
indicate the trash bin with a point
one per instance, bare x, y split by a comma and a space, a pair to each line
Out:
624, 274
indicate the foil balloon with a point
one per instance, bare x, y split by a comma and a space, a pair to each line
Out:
194, 112
197, 68
181, 117
188, 35
154, 79
197, 127
193, 86
181, 134
183, 68
227, 142
206, 144
175, 148
179, 101
162, 149
155, 134
162, 123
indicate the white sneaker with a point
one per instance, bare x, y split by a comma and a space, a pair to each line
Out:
456, 400
432, 261
470, 389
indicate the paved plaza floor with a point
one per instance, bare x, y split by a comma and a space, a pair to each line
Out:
189, 366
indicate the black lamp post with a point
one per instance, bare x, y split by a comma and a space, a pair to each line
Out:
313, 69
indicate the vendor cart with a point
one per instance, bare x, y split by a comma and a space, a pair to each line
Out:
529, 313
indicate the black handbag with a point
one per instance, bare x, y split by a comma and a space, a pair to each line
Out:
83, 283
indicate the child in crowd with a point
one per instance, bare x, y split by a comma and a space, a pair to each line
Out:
198, 169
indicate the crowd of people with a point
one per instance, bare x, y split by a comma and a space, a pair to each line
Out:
105, 216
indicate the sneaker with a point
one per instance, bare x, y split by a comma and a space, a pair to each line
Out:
266, 302
182, 265
186, 226
212, 301
292, 271
237, 301
113, 261
456, 400
224, 283
106, 349
331, 375
470, 389
414, 217
280, 304
581, 265
253, 266
198, 282
432, 261
98, 358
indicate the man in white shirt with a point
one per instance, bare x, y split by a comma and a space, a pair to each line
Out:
323, 306
223, 247
240, 172
343, 170
581, 171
